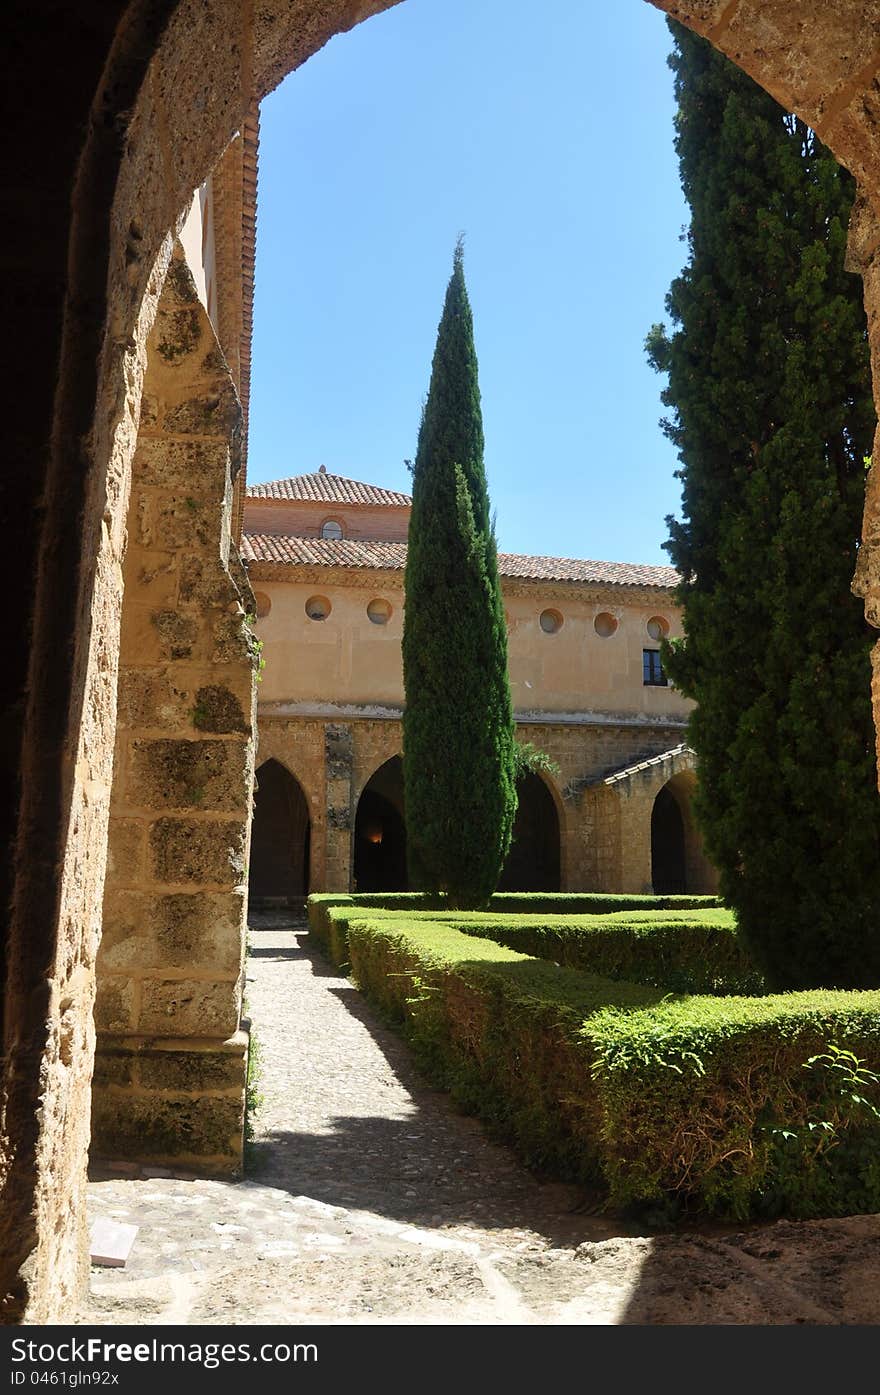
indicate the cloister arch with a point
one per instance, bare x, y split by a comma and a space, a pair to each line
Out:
147, 95
678, 862
280, 836
380, 831
534, 862
668, 859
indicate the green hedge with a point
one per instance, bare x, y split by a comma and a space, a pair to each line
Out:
683, 952
688, 952
514, 903
693, 1102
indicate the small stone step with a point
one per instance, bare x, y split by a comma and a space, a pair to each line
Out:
110, 1242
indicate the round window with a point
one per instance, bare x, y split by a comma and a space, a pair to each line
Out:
264, 605
550, 621
331, 529
605, 624
657, 627
379, 612
318, 607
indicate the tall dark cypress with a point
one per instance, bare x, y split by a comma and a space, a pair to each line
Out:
770, 386
458, 731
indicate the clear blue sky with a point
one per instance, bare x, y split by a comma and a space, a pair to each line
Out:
549, 144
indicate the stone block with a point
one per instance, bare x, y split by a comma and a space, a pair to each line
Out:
112, 1067
151, 577
205, 852
144, 1127
188, 1007
211, 413
145, 932
192, 1071
232, 641
177, 634
338, 750
197, 467
204, 581
177, 521
115, 1005
177, 333
200, 774
217, 709
125, 850
154, 698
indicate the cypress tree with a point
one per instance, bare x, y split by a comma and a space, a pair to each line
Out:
458, 733
770, 385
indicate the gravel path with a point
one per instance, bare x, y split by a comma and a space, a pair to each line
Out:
369, 1199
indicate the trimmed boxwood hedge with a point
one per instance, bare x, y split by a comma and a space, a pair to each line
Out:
502, 903
684, 952
711, 1104
687, 951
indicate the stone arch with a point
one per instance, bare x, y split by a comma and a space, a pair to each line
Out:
668, 861
159, 87
280, 836
678, 863
534, 862
380, 831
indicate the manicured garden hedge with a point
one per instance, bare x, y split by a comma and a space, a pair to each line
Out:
685, 951
698, 1102
514, 903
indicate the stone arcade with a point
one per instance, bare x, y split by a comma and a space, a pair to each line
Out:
146, 95
325, 555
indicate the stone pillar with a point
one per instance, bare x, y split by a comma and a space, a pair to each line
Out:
338, 761
863, 256
171, 1060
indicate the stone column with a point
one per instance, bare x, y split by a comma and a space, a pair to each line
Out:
863, 256
171, 1060
338, 761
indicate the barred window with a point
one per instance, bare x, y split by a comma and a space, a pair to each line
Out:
652, 670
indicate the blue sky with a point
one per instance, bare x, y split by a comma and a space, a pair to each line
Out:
550, 146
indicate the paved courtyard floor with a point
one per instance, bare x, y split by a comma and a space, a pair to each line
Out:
369, 1199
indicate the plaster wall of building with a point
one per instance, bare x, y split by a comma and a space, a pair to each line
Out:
331, 694
146, 97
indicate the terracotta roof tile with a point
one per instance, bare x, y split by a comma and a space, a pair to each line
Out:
391, 556
629, 770
325, 488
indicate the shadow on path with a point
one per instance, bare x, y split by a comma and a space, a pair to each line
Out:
348, 1119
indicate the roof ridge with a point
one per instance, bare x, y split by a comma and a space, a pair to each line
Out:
324, 486
295, 549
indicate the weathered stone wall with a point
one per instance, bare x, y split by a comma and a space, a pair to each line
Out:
617, 821
171, 1060
146, 96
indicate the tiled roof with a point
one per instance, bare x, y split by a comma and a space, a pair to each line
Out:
629, 770
323, 552
391, 556
324, 488
570, 569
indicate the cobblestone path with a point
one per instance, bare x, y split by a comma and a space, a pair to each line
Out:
368, 1198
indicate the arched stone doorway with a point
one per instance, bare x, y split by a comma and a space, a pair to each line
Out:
533, 863
280, 837
668, 866
380, 832
678, 863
